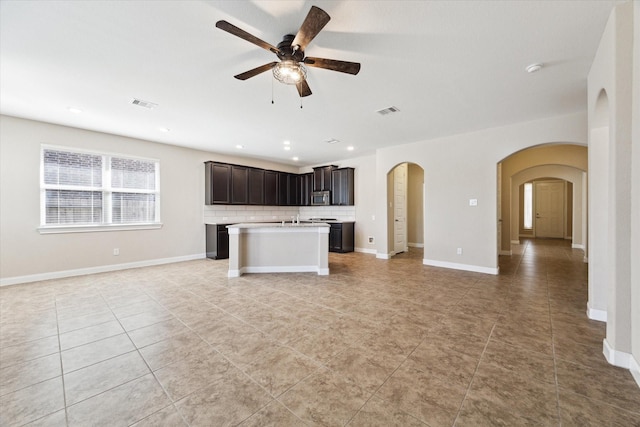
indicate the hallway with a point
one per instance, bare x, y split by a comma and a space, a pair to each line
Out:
377, 342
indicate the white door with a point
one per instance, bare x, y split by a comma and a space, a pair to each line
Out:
549, 209
400, 208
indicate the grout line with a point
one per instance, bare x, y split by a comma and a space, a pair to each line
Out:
64, 390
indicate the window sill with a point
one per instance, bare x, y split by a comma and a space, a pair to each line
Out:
58, 229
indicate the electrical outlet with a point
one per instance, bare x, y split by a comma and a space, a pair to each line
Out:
371, 240
459, 251
116, 251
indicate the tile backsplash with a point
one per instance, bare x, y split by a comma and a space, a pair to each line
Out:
231, 214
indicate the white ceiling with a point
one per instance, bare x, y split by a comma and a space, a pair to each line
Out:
449, 66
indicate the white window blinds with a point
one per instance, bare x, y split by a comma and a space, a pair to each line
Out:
85, 189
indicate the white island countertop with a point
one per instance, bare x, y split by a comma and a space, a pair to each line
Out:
266, 247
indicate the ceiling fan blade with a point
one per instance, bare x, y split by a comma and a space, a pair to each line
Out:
251, 73
314, 22
232, 29
334, 65
303, 88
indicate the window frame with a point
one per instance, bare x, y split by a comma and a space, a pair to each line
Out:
106, 189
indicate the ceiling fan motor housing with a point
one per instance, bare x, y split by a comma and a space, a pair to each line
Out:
288, 52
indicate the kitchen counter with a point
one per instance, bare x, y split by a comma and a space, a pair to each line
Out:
277, 248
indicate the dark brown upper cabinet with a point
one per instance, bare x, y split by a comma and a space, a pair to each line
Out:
217, 183
256, 186
322, 178
271, 188
342, 187
239, 185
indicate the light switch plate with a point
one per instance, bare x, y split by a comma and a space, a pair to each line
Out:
473, 202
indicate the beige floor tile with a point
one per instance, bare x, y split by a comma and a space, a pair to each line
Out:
120, 406
229, 400
377, 412
90, 334
20, 353
173, 349
437, 346
325, 398
31, 403
57, 419
187, 375
16, 377
88, 354
167, 417
274, 414
92, 380
428, 398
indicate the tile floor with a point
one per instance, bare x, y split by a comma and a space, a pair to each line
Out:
375, 343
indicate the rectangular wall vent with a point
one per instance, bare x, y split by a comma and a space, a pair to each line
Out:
388, 110
144, 104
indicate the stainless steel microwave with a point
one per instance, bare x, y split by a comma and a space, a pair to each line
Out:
320, 198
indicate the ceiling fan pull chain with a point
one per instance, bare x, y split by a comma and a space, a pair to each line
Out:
272, 92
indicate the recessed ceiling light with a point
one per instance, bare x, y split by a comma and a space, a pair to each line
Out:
350, 148
286, 142
287, 148
533, 68
332, 141
165, 130
239, 147
295, 159
74, 110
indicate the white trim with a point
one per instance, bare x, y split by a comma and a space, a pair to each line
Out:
280, 269
59, 229
577, 246
505, 253
465, 267
366, 250
585, 259
384, 256
615, 357
93, 270
635, 370
595, 314
415, 245
515, 242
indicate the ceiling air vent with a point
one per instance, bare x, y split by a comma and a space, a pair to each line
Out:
389, 110
144, 104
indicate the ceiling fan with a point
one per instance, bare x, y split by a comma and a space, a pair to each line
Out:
291, 68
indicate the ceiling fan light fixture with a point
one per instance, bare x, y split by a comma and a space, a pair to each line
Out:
289, 72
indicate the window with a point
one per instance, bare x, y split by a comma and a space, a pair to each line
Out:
83, 191
528, 206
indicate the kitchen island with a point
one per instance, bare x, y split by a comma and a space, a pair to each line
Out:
278, 248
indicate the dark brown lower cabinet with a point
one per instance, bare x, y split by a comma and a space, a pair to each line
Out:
217, 241
341, 237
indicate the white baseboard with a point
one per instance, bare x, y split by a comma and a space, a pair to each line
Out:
93, 270
585, 259
615, 357
415, 245
635, 370
595, 314
505, 253
280, 269
515, 242
366, 250
384, 256
465, 267
577, 246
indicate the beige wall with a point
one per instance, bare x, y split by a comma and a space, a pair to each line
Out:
26, 252
458, 168
610, 87
635, 198
415, 203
